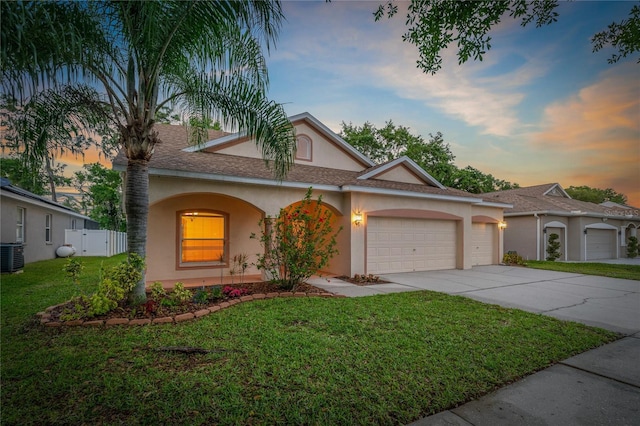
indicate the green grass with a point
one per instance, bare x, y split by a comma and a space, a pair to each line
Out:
375, 360
629, 272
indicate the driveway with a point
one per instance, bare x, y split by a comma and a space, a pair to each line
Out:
610, 303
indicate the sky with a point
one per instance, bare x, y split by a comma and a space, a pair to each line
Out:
540, 108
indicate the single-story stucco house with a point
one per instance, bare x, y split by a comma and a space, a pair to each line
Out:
36, 223
206, 201
587, 231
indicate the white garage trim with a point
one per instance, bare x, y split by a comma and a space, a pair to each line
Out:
401, 244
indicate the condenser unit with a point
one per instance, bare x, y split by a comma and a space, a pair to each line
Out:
11, 257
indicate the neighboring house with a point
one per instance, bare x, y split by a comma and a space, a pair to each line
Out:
586, 231
206, 201
35, 222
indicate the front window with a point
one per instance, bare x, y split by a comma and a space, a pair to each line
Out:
20, 225
202, 238
47, 228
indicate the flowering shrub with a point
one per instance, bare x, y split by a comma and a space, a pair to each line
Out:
298, 243
234, 292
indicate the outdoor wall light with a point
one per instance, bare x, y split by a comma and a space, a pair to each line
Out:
357, 219
502, 225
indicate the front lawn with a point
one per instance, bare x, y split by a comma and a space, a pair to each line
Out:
374, 360
629, 272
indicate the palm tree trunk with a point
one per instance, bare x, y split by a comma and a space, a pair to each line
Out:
137, 209
52, 185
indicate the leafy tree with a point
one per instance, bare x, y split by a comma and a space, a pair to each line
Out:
624, 35
32, 180
473, 180
595, 195
298, 243
204, 56
51, 123
392, 141
434, 156
100, 189
432, 25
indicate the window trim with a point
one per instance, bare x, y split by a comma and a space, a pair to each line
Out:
309, 149
21, 225
48, 228
201, 265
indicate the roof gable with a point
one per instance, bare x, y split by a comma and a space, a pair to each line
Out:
326, 149
404, 170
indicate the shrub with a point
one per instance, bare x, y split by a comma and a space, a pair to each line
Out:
632, 247
512, 258
157, 291
553, 247
298, 243
113, 287
234, 292
180, 294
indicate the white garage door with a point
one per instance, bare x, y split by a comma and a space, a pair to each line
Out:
482, 236
405, 245
601, 244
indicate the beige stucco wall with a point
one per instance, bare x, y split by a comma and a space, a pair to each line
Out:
400, 174
245, 205
325, 153
252, 202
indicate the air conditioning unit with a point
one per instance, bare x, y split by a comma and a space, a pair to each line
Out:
11, 257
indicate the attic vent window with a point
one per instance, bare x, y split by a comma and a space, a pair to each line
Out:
303, 148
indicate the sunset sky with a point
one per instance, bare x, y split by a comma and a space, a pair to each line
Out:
540, 108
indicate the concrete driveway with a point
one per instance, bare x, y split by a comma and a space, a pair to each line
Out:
610, 303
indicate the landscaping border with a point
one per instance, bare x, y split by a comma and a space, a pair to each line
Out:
47, 321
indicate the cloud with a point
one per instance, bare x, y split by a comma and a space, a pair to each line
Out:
346, 45
597, 133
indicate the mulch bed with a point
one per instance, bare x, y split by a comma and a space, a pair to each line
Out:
363, 282
53, 314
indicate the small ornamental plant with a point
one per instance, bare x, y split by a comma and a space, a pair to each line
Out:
234, 292
298, 243
632, 247
553, 247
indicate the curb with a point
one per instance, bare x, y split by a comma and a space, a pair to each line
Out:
47, 321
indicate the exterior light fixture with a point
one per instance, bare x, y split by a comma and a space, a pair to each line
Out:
502, 225
357, 218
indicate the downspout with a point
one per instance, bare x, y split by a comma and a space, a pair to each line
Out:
537, 235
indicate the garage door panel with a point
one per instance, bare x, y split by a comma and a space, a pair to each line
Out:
402, 245
601, 244
483, 243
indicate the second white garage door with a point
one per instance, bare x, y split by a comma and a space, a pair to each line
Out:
483, 236
601, 244
406, 245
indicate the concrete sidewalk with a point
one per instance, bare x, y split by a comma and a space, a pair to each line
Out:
598, 387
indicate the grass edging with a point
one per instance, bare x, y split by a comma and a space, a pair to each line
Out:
47, 320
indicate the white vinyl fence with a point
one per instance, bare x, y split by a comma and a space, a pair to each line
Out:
96, 242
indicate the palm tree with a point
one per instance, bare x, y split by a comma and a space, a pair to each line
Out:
205, 57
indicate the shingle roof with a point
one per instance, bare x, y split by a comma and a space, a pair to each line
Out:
6, 185
536, 199
170, 157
